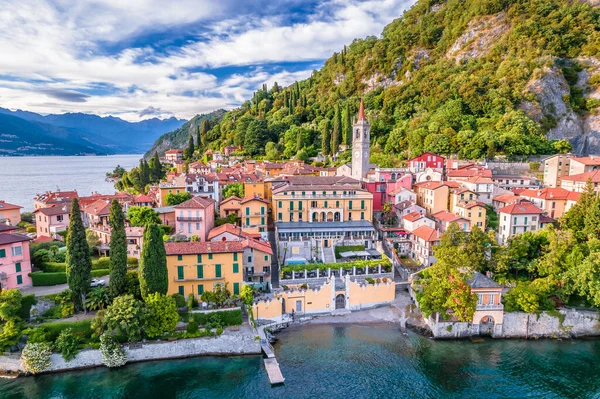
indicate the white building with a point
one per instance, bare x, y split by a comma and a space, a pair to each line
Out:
517, 218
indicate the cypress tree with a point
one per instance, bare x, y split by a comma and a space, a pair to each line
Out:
348, 128
190, 148
153, 263
157, 172
204, 128
79, 263
299, 141
337, 130
198, 137
146, 173
118, 249
325, 138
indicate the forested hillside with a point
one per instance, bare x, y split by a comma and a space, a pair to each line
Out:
474, 77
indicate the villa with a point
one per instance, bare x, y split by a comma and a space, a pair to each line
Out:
15, 263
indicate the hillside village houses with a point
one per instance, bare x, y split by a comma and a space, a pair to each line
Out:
10, 213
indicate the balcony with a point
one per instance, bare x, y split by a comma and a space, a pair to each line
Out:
257, 214
490, 307
189, 218
57, 228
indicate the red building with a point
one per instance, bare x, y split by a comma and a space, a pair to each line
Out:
426, 160
378, 189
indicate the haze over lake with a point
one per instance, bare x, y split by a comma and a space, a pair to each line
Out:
23, 177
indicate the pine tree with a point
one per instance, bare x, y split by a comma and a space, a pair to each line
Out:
337, 131
348, 128
153, 263
118, 249
79, 263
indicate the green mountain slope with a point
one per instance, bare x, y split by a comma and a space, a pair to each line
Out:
474, 77
179, 138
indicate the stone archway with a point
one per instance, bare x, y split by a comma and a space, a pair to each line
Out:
486, 325
330, 216
340, 301
323, 217
315, 216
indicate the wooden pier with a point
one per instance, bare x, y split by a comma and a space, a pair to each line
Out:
273, 371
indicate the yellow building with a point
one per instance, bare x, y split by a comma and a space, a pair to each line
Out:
257, 189
254, 215
432, 195
166, 188
460, 195
474, 211
195, 267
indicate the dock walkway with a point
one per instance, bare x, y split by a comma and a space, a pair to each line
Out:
271, 364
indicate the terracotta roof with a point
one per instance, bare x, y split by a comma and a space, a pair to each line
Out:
573, 196
55, 209
259, 246
4, 206
225, 228
97, 208
173, 152
195, 202
479, 180
546, 193
430, 185
192, 248
469, 172
594, 175
589, 160
142, 198
522, 207
361, 111
447, 216
43, 239
546, 219
11, 238
249, 199
473, 204
506, 198
427, 233
232, 198
56, 197
411, 217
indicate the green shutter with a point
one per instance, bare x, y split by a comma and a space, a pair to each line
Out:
249, 259
2, 253
262, 220
19, 279
280, 216
267, 258
235, 256
262, 210
325, 204
18, 267
280, 205
179, 257
179, 272
236, 288
362, 204
291, 205
200, 289
349, 204
247, 210
300, 205
199, 258
181, 290
218, 270
200, 270
209, 256
236, 268
247, 221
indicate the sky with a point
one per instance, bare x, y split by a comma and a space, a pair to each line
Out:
138, 59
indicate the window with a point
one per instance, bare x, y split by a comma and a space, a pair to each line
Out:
236, 288
200, 271
19, 279
180, 289
210, 256
525, 219
262, 220
179, 272
236, 268
262, 209
303, 193
337, 204
247, 221
362, 204
179, 257
266, 258
249, 259
199, 258
217, 270
349, 204
2, 253
325, 206
362, 216
279, 216
280, 205
300, 205
247, 210
291, 205
200, 289
17, 251
17, 267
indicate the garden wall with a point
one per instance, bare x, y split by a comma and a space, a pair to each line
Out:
240, 342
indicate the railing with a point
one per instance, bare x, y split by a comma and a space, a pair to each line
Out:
326, 196
490, 307
189, 218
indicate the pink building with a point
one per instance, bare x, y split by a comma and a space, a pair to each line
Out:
195, 217
15, 263
10, 213
52, 220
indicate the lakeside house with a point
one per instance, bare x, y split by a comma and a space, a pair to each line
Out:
195, 216
52, 220
10, 213
15, 261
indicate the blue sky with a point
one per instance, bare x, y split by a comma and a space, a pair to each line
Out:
139, 59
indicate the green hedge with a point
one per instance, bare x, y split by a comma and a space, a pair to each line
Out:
44, 279
347, 248
228, 317
359, 264
41, 279
27, 301
82, 327
131, 261
53, 267
101, 263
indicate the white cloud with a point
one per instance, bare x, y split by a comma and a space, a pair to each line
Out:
54, 50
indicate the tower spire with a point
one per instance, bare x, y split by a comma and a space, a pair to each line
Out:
361, 111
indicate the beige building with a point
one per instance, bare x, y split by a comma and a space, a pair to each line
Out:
432, 195
555, 167
584, 164
553, 201
577, 182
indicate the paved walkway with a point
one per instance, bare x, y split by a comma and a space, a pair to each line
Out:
53, 289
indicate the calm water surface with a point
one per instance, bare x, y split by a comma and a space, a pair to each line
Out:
21, 178
333, 361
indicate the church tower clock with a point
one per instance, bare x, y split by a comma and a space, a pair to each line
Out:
361, 144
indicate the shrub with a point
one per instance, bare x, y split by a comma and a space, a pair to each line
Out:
179, 300
27, 301
30, 229
36, 335
192, 326
82, 328
162, 315
369, 280
131, 261
53, 313
53, 267
219, 330
112, 353
35, 357
101, 263
226, 317
40, 279
192, 302
67, 344
132, 285
100, 272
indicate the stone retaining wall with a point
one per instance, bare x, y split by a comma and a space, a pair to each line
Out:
229, 343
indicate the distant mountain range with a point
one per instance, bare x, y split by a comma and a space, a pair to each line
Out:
27, 133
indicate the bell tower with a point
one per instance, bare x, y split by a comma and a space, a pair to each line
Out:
361, 145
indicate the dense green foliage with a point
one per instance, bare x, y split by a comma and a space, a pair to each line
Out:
386, 266
141, 216
162, 315
118, 249
226, 317
430, 101
79, 263
67, 344
234, 189
153, 263
40, 279
10, 322
172, 199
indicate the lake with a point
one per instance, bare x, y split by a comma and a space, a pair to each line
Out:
24, 177
347, 362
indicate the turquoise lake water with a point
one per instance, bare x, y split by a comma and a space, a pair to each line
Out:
348, 361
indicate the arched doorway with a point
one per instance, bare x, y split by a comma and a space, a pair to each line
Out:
337, 217
340, 301
486, 325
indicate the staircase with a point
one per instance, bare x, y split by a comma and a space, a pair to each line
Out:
328, 255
